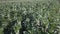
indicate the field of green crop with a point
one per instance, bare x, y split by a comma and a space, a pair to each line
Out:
30, 17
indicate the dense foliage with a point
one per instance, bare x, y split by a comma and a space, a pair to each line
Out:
38, 17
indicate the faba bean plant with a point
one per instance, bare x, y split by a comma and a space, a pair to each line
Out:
37, 17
